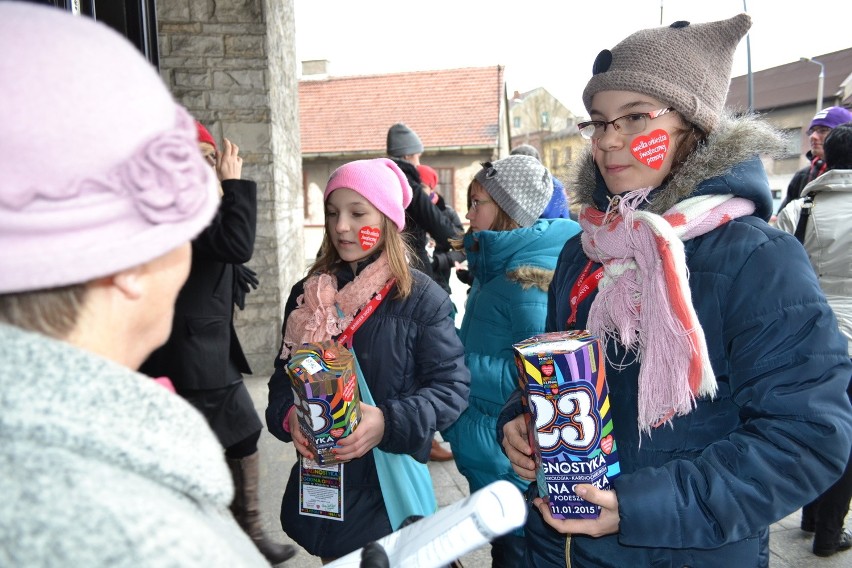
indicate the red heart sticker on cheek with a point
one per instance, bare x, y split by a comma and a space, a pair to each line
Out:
651, 149
368, 237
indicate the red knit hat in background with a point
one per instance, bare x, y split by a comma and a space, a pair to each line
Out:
428, 175
204, 135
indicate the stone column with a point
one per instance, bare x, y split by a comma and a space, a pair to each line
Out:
232, 63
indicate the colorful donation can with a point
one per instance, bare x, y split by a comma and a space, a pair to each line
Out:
563, 378
325, 388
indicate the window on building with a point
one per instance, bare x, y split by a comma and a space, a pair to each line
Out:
134, 19
516, 122
306, 204
554, 158
567, 155
446, 185
545, 119
793, 137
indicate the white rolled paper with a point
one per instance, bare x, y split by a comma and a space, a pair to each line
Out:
453, 531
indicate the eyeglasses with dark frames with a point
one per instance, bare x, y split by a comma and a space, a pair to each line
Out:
632, 123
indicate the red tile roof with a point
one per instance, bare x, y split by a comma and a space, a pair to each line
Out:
448, 108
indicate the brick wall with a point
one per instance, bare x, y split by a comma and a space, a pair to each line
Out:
232, 64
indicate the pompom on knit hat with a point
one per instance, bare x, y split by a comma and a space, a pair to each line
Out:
686, 66
379, 181
402, 141
519, 184
204, 134
831, 117
101, 167
428, 175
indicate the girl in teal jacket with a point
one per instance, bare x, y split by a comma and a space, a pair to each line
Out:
511, 255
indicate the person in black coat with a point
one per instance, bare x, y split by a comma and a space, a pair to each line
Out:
444, 257
203, 357
422, 217
411, 360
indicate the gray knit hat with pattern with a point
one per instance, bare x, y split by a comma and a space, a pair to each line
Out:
520, 185
402, 141
687, 66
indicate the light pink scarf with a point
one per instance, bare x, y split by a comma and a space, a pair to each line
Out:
644, 301
316, 317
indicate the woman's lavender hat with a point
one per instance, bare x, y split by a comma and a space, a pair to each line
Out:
101, 167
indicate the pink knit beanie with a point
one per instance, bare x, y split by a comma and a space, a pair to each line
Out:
101, 169
379, 181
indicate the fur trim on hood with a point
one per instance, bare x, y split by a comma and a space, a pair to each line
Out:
529, 276
732, 142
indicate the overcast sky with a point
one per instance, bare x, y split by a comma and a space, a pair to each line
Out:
546, 43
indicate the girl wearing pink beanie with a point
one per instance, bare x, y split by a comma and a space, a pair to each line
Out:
398, 321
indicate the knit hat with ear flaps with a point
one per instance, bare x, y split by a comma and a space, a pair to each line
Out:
519, 184
686, 66
402, 141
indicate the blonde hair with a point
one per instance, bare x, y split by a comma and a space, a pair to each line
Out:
53, 312
391, 241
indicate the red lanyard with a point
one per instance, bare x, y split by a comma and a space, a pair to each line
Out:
345, 338
583, 286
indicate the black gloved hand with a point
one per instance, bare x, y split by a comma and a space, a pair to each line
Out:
374, 556
440, 262
245, 280
464, 276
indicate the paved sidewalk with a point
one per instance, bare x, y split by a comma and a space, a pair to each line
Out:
789, 546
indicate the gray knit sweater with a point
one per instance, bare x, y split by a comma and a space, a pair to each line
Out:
100, 466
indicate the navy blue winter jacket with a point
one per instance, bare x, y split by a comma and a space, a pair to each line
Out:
703, 491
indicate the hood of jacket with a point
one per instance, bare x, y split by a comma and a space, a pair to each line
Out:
527, 255
831, 181
727, 162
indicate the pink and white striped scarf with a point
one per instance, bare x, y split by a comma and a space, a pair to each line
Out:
644, 301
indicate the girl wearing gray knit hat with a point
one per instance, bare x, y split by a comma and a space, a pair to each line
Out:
728, 401
511, 255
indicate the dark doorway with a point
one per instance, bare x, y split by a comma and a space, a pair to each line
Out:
134, 19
